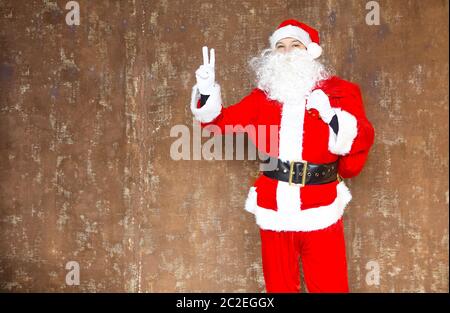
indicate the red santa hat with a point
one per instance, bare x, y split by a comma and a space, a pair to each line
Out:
307, 35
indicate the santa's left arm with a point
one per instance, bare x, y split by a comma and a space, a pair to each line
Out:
356, 134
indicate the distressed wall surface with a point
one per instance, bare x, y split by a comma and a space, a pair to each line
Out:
85, 119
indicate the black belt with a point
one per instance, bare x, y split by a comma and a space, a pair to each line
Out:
304, 173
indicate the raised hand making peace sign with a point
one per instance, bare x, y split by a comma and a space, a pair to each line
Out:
205, 73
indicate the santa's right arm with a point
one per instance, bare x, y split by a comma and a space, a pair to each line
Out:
209, 110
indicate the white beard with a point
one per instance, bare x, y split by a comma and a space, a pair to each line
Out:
287, 77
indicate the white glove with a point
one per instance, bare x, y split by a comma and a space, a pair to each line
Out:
319, 100
205, 73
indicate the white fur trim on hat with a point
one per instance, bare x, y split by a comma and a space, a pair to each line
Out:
314, 50
290, 31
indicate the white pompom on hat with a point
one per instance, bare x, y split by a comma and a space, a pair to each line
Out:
307, 35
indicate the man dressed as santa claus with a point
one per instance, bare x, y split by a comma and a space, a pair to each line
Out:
323, 136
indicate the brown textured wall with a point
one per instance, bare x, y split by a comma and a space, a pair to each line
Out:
85, 119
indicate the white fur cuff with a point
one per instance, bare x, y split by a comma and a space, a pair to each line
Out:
250, 203
212, 107
341, 143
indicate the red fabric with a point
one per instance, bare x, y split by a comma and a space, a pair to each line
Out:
258, 113
322, 255
313, 33
347, 96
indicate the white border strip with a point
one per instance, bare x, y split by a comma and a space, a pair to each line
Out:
290, 31
304, 220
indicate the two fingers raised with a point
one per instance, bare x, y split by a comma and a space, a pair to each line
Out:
208, 60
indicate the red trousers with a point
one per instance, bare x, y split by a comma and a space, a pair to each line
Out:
322, 254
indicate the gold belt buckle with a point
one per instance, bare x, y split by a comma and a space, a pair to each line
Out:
291, 172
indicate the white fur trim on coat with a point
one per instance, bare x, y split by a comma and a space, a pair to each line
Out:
250, 203
304, 220
212, 107
341, 143
291, 131
290, 149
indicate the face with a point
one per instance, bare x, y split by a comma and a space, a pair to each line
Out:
287, 44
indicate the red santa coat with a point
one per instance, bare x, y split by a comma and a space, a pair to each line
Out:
302, 135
